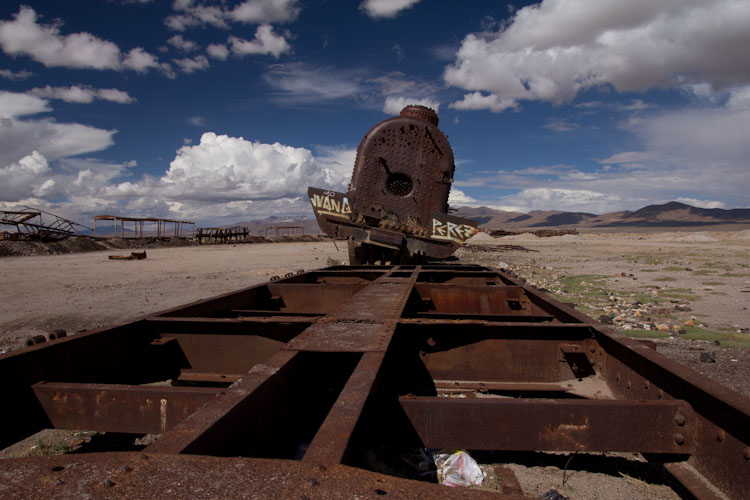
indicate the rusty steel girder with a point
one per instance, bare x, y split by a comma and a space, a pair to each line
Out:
317, 386
396, 210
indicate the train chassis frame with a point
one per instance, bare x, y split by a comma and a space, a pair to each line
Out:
298, 388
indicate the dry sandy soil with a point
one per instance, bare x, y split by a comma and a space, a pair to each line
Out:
81, 291
706, 274
648, 280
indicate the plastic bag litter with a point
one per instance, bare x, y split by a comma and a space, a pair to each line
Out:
458, 469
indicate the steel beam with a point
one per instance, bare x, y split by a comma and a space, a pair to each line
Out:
552, 424
119, 408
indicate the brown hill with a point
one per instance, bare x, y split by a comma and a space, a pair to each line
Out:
672, 214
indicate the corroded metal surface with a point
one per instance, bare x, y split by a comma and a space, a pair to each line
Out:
139, 475
315, 385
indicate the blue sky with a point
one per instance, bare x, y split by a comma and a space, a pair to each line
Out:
222, 111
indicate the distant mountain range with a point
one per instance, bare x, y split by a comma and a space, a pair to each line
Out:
672, 214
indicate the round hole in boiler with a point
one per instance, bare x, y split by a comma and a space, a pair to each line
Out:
399, 184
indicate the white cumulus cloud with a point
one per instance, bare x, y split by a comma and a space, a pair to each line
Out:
378, 9
13, 104
141, 61
232, 168
266, 11
266, 42
15, 75
458, 198
19, 137
183, 44
19, 178
82, 94
702, 203
218, 51
44, 43
552, 50
227, 178
191, 65
575, 200
477, 100
193, 13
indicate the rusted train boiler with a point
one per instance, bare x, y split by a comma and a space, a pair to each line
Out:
396, 210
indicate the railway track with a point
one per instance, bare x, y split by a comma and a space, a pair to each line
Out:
314, 385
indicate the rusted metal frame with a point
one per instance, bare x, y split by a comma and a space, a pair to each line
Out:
226, 301
333, 442
177, 477
270, 412
459, 269
343, 335
378, 303
714, 401
473, 331
217, 353
247, 313
505, 324
725, 406
307, 297
499, 360
700, 487
53, 361
190, 434
278, 328
364, 322
349, 311
119, 408
365, 273
490, 318
552, 424
210, 378
561, 311
481, 385
445, 267
730, 449
453, 274
477, 299
278, 320
220, 349
358, 268
722, 416
335, 439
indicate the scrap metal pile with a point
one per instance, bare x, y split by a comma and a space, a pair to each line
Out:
326, 384
37, 225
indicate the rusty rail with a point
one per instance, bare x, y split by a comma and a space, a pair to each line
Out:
322, 380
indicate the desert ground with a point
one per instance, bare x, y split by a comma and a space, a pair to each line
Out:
687, 291
81, 291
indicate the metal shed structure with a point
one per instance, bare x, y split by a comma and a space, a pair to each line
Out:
140, 226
